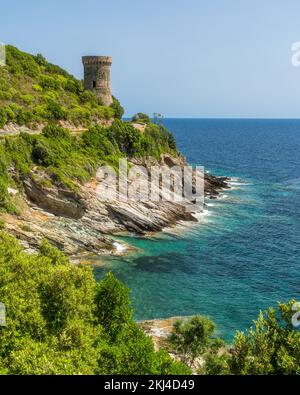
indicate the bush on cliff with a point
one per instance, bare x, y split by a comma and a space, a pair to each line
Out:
118, 109
141, 117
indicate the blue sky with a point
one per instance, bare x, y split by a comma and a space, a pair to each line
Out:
183, 58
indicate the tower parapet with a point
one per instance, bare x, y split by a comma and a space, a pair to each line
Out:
97, 77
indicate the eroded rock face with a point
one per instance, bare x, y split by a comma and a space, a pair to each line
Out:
81, 222
57, 201
212, 185
71, 236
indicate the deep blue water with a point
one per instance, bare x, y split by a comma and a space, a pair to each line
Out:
245, 254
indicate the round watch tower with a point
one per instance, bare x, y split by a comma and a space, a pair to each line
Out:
97, 77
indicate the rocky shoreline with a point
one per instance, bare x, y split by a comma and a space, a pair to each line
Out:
159, 329
80, 224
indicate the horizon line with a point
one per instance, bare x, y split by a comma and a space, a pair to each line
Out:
229, 118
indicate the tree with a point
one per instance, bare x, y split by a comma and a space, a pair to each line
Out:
113, 306
40, 60
215, 363
272, 346
192, 337
126, 136
53, 312
141, 117
118, 109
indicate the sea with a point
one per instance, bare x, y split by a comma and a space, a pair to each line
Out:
244, 254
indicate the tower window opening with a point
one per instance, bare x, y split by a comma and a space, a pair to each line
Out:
94, 84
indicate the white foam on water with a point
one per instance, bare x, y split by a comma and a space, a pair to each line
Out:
205, 215
120, 248
235, 183
175, 229
223, 196
206, 212
210, 204
200, 216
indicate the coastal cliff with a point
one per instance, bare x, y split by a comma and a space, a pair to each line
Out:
79, 223
53, 138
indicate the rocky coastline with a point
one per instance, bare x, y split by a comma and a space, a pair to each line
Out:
80, 224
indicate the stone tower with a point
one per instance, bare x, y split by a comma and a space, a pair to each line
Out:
97, 76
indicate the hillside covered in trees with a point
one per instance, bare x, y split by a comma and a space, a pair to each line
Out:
60, 321
70, 160
34, 91
39, 94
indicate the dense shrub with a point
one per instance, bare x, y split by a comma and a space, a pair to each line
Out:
55, 320
21, 63
97, 139
56, 132
118, 109
141, 117
271, 347
56, 111
3, 117
49, 82
126, 136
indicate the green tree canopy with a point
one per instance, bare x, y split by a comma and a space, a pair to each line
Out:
60, 321
272, 346
141, 117
192, 337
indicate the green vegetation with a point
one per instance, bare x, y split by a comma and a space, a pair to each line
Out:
140, 117
118, 109
70, 159
193, 338
271, 347
60, 321
34, 91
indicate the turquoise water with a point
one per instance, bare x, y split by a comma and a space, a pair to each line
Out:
245, 253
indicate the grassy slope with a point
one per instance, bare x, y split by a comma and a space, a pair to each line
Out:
34, 91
